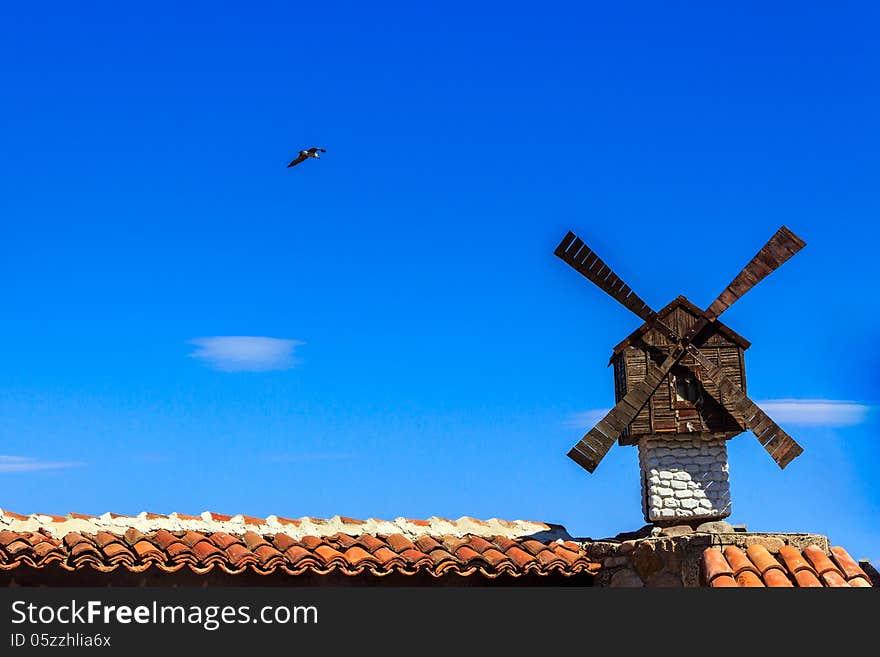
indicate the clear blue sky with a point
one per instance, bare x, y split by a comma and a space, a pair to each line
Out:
443, 361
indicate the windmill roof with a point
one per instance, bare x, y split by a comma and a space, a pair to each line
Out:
681, 302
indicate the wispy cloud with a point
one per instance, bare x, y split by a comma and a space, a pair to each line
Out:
816, 412
586, 419
245, 353
796, 412
27, 464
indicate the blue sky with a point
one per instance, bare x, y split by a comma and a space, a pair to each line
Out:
410, 346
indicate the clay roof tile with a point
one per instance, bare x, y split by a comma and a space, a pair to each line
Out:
714, 564
847, 564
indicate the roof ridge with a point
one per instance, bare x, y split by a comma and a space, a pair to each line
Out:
207, 521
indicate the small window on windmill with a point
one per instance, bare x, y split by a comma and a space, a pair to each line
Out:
687, 388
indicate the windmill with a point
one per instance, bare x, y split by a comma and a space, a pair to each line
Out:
680, 390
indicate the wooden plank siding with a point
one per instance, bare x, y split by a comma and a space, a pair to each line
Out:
665, 413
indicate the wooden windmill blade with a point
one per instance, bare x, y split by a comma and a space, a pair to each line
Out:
584, 260
595, 444
779, 248
782, 448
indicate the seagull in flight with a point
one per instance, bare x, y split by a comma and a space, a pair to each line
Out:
305, 155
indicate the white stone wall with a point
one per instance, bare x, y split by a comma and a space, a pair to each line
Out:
684, 477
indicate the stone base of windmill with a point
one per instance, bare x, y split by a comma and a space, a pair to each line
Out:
684, 478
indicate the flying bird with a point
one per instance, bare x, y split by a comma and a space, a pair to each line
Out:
305, 155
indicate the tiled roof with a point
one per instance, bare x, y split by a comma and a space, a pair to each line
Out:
238, 544
756, 567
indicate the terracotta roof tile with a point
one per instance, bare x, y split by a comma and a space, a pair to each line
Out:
311, 542
162, 538
738, 560
762, 559
73, 539
748, 579
859, 582
847, 564
342, 541
84, 547
437, 546
44, 548
832, 578
724, 581
533, 546
479, 544
520, 557
283, 542
807, 568
240, 543
370, 543
133, 536
239, 554
415, 557
179, 551
494, 557
568, 555
253, 540
104, 539
118, 552
427, 543
386, 556
504, 544
356, 554
806, 578
145, 549
190, 538
715, 565
14, 547
793, 559
440, 556
820, 560
452, 543
6, 537
467, 555
328, 555
205, 550
296, 554
400, 543
549, 558
224, 540
269, 557
776, 578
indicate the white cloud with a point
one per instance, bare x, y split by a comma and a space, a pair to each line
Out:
586, 419
816, 412
245, 353
796, 412
27, 464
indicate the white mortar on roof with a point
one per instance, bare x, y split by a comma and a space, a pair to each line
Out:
272, 525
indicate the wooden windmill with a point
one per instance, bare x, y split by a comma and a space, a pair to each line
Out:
680, 390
